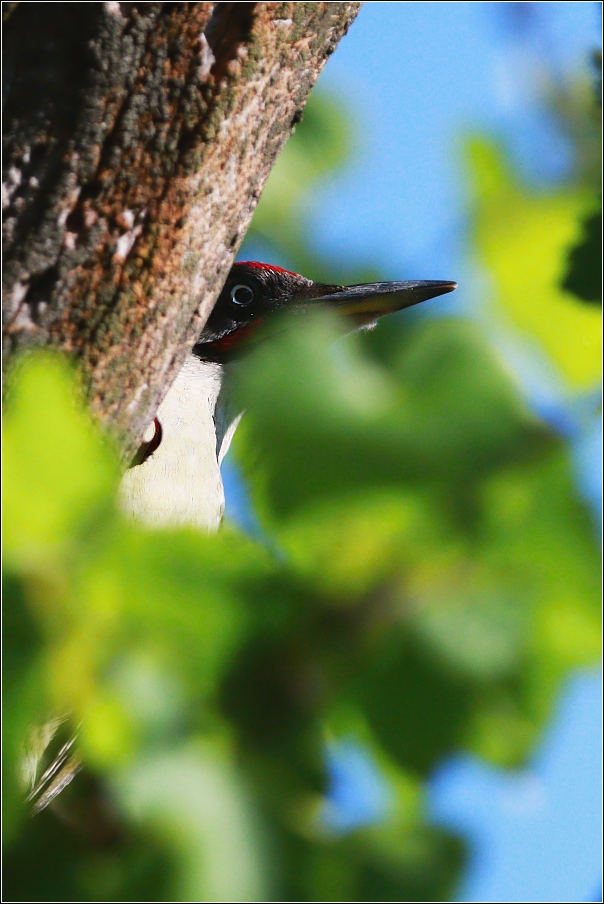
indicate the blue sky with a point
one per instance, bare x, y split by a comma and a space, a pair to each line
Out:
416, 76
535, 834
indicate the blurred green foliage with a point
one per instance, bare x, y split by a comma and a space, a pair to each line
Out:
542, 292
426, 578
523, 238
583, 275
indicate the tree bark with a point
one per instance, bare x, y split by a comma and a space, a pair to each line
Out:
138, 137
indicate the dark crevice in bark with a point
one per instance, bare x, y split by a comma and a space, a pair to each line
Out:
48, 81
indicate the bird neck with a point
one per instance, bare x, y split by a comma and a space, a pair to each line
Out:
180, 483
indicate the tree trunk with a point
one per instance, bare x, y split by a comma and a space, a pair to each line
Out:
138, 137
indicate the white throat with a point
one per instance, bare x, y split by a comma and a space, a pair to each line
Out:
180, 483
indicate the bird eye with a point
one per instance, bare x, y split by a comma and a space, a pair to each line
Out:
242, 295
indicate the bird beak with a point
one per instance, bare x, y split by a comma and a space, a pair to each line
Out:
361, 306
365, 303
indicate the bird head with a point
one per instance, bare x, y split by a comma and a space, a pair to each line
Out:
255, 293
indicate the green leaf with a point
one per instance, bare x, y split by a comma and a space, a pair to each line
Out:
57, 472
196, 803
522, 239
324, 421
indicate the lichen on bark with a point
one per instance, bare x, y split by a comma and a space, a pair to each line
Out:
138, 137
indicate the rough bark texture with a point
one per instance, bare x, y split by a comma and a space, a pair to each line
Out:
138, 137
